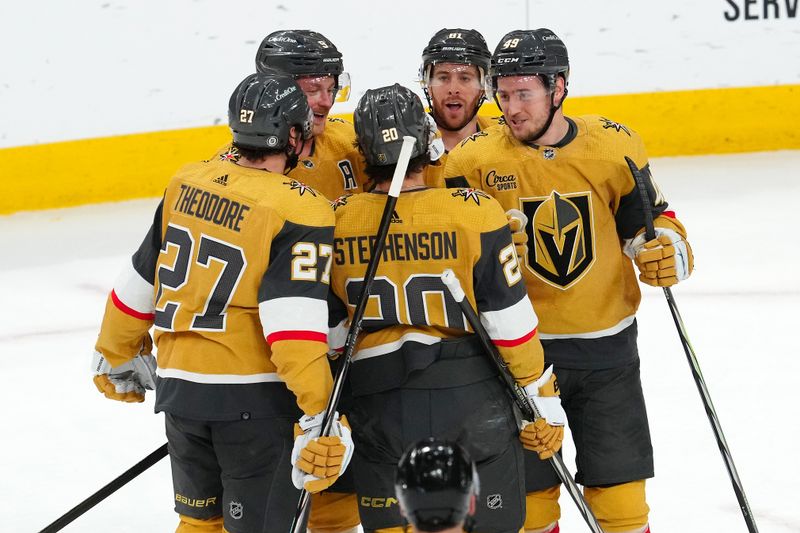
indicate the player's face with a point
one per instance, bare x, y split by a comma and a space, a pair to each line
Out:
525, 103
455, 90
320, 92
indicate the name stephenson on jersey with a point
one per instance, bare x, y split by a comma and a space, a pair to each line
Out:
334, 167
231, 249
410, 309
581, 202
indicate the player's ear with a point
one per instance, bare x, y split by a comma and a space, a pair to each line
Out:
560, 93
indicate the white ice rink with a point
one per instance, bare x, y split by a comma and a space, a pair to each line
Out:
61, 440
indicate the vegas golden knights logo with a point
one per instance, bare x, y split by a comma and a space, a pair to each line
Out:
560, 237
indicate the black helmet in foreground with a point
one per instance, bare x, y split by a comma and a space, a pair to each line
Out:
383, 117
435, 483
264, 108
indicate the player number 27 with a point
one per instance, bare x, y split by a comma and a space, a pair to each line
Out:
176, 275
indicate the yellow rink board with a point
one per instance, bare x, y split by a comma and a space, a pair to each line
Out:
709, 121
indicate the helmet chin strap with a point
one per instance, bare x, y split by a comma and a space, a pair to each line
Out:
553, 108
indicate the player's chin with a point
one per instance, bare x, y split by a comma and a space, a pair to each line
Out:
318, 126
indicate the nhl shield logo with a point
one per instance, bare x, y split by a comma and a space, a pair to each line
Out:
562, 237
494, 501
236, 510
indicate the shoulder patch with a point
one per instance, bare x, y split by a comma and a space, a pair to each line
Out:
474, 137
470, 194
610, 124
231, 154
300, 187
341, 201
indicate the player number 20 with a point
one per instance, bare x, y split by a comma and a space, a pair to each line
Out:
389, 134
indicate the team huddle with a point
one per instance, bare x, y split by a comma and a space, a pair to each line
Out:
254, 263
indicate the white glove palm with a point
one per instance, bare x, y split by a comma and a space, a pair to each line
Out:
326, 457
543, 394
127, 382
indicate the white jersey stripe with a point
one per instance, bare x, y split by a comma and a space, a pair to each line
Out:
293, 314
383, 349
613, 330
512, 322
134, 291
218, 379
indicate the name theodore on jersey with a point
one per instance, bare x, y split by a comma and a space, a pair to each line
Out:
421, 246
211, 207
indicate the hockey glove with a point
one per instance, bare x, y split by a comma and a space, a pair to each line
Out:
663, 261
544, 435
317, 462
126, 382
517, 222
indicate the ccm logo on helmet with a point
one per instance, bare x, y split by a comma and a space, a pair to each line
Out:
507, 59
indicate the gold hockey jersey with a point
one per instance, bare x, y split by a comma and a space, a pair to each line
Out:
410, 310
334, 167
434, 173
234, 275
582, 204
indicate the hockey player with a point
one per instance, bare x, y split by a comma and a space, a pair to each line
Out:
417, 373
452, 74
436, 487
585, 224
233, 274
329, 163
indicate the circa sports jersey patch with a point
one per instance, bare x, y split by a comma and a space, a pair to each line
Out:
231, 154
339, 202
473, 194
300, 187
561, 237
549, 153
307, 163
610, 124
500, 182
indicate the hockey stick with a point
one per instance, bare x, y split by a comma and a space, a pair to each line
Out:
107, 491
517, 394
358, 314
650, 234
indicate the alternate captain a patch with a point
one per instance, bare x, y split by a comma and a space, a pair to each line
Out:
561, 237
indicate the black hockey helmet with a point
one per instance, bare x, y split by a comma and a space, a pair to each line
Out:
302, 53
263, 109
434, 484
383, 117
534, 52
466, 47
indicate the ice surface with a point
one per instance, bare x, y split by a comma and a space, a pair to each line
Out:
62, 440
